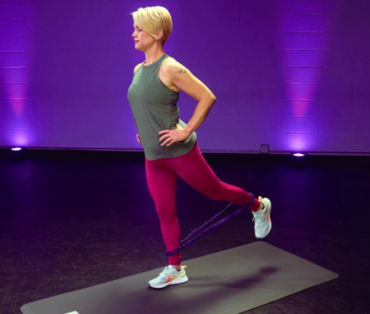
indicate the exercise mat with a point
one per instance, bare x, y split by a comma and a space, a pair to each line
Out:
227, 282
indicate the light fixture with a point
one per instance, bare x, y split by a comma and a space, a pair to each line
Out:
298, 155
16, 149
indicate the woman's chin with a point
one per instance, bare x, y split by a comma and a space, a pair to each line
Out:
139, 48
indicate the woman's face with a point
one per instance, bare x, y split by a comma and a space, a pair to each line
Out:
142, 39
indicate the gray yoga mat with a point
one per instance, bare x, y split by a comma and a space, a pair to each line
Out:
227, 282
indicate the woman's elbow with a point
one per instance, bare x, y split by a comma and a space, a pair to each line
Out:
213, 98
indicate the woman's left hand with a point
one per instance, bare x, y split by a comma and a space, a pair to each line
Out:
171, 136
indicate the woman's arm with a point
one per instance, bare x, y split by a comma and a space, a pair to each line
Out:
184, 80
137, 133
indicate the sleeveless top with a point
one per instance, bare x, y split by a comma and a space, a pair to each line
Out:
155, 109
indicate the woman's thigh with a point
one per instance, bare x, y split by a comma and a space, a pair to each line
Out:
162, 185
194, 169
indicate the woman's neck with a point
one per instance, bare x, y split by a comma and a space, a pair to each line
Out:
153, 55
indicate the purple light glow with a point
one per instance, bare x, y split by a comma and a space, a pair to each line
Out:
15, 79
302, 81
302, 44
17, 59
297, 142
16, 62
16, 137
300, 96
16, 83
300, 107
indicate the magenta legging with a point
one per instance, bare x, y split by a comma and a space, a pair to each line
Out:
192, 168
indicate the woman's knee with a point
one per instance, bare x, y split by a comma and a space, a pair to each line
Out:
166, 214
217, 195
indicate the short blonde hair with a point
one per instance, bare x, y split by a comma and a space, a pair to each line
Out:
153, 19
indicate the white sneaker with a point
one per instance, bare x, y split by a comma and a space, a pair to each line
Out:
169, 276
262, 219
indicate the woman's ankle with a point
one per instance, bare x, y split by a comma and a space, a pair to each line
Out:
177, 267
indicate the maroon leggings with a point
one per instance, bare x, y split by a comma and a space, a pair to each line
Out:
162, 174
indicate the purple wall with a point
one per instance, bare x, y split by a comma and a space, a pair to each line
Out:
291, 74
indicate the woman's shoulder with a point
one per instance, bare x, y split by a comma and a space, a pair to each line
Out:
171, 65
137, 67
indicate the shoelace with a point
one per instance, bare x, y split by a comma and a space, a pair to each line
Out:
258, 215
165, 271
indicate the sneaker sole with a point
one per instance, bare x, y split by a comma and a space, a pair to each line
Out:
173, 282
267, 203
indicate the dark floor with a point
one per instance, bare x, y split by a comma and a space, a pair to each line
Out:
70, 220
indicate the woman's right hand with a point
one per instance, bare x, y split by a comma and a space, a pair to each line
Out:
138, 138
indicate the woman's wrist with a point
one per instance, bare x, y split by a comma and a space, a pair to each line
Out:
188, 131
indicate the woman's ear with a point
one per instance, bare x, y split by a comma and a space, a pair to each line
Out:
160, 34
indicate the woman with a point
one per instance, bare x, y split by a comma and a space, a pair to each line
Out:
169, 144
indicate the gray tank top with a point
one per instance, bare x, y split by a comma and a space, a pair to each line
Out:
155, 109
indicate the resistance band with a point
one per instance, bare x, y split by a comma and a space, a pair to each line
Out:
197, 233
